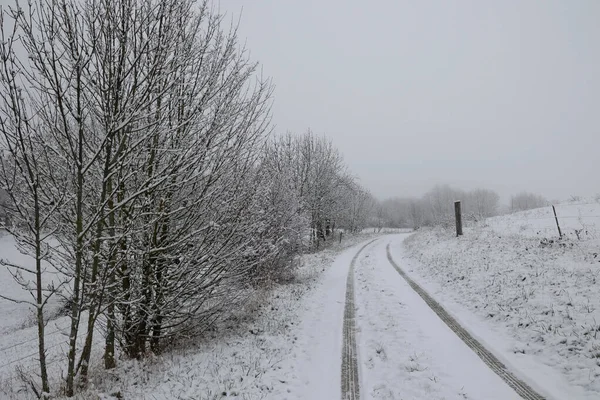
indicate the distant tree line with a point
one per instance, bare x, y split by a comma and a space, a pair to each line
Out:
138, 162
436, 207
526, 201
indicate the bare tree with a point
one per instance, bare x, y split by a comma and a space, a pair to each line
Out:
439, 203
328, 195
357, 208
481, 203
526, 201
23, 174
5, 208
436, 207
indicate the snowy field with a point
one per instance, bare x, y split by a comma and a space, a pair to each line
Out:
272, 349
291, 348
530, 296
386, 230
576, 219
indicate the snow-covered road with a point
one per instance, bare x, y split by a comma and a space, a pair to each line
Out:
404, 350
317, 355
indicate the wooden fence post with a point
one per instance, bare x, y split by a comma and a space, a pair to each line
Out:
557, 225
458, 217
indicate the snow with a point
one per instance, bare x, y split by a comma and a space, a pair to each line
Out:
18, 329
540, 222
14, 316
316, 358
532, 298
285, 345
19, 352
266, 350
405, 350
291, 348
532, 301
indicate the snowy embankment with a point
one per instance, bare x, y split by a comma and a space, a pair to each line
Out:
575, 219
531, 297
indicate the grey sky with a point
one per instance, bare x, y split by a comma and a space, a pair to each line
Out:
499, 94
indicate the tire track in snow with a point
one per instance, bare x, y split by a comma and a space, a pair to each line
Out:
350, 379
522, 389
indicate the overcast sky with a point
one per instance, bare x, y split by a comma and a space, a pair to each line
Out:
496, 94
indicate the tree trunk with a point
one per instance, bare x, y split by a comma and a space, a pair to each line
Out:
40, 296
161, 270
96, 293
79, 249
109, 348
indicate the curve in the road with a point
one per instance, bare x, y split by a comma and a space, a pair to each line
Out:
350, 379
522, 389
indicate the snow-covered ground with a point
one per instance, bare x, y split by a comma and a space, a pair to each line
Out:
286, 344
19, 353
406, 351
18, 330
386, 230
291, 348
531, 297
13, 315
267, 350
532, 301
581, 219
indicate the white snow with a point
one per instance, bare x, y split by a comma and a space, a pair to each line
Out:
540, 222
292, 349
14, 316
406, 351
18, 329
316, 360
286, 345
532, 298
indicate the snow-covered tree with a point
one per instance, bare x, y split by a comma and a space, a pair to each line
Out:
526, 201
328, 195
481, 203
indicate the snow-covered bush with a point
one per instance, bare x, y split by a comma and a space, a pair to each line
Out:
327, 194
